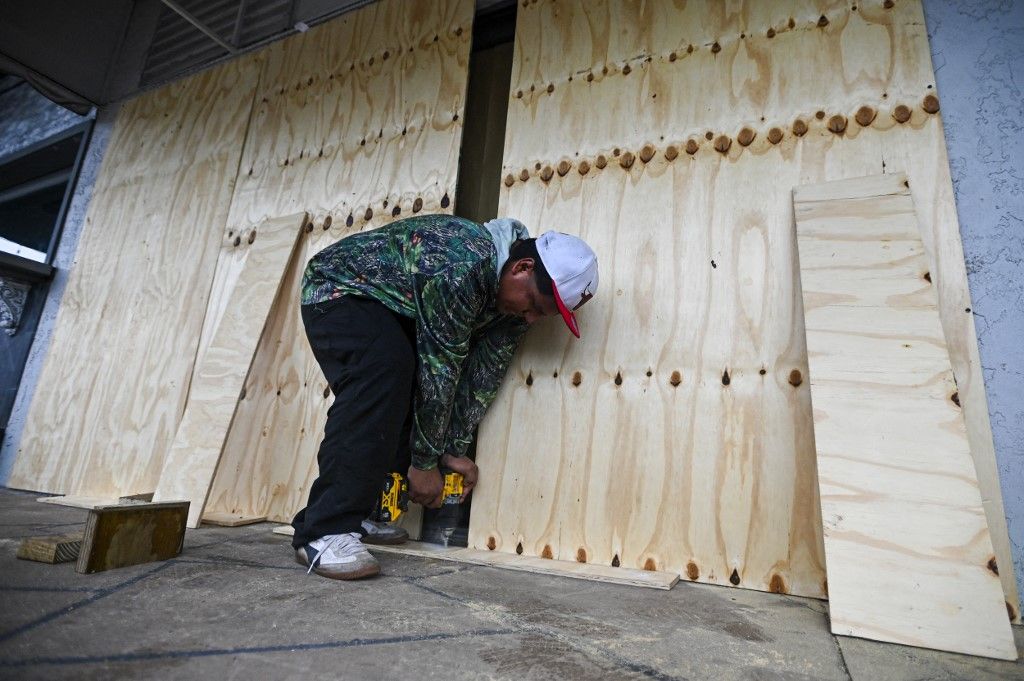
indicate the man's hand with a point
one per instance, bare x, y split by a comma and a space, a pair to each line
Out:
464, 466
426, 487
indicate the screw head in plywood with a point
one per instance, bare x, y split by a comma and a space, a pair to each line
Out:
901, 113
722, 143
864, 116
930, 104
745, 137
775, 135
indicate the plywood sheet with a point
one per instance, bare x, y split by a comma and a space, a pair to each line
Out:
358, 122
252, 265
677, 434
114, 382
906, 540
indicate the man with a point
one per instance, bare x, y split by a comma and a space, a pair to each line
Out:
414, 325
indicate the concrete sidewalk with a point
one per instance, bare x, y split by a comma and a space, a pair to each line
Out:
235, 605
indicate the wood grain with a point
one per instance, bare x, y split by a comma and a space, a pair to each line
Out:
357, 122
252, 264
115, 379
678, 432
53, 549
906, 540
119, 536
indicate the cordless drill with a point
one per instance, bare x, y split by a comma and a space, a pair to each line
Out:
394, 501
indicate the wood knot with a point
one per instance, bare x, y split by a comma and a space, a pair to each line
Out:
722, 143
615, 560
927, 277
716, 48
650, 565
350, 220
546, 174
491, 544
577, 378
237, 241
799, 127
888, 4
252, 233
417, 205
820, 115
993, 566
563, 167
581, 555
692, 571
675, 379
725, 377
583, 168
901, 113
709, 135
327, 224
396, 211
775, 135
734, 578
955, 398
529, 379
864, 116
509, 180
795, 378
618, 378
672, 56
590, 77
551, 88
822, 21
745, 137
307, 225
445, 201
671, 153
546, 553
771, 33
777, 585
930, 104
519, 548
626, 160
524, 175
626, 70
601, 161
691, 147
327, 392
646, 153
763, 371
368, 215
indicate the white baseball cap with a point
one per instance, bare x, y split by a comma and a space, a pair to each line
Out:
572, 265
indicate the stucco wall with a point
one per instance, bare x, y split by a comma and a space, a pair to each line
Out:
978, 52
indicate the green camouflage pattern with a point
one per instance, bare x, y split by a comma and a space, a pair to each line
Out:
441, 271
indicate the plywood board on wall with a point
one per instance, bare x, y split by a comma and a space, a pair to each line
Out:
358, 122
677, 434
116, 376
249, 275
907, 546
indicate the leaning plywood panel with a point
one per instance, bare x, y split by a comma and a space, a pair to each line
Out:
114, 383
907, 546
249, 275
677, 434
357, 122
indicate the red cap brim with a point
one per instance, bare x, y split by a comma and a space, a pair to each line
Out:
567, 315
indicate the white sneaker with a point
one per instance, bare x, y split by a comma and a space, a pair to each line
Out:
338, 556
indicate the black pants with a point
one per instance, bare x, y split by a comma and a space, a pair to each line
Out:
367, 355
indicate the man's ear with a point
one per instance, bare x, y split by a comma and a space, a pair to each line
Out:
523, 265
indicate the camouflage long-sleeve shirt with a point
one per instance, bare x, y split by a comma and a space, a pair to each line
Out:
442, 271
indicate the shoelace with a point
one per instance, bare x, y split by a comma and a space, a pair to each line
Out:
341, 542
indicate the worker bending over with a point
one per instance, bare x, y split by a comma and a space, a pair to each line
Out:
414, 325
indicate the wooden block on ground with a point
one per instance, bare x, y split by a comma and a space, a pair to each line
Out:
231, 519
907, 546
118, 536
143, 498
61, 548
284, 530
